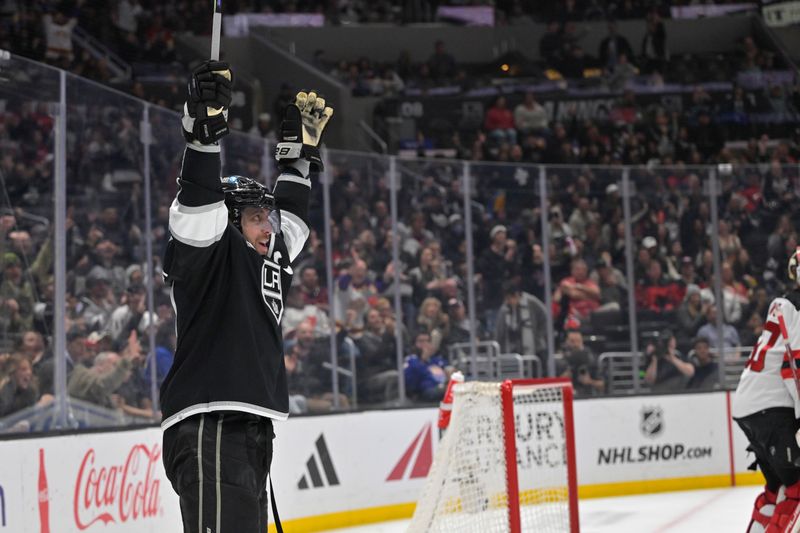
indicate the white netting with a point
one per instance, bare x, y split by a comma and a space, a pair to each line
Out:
466, 489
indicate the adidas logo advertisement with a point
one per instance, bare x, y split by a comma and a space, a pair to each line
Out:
320, 471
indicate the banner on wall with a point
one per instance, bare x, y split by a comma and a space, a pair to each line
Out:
651, 437
782, 14
92, 483
329, 465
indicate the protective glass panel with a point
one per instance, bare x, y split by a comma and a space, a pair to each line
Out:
361, 277
29, 98
673, 270
756, 238
588, 269
507, 247
166, 153
435, 288
107, 319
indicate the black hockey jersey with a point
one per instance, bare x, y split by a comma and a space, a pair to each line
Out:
228, 299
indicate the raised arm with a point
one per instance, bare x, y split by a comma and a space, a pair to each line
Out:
197, 216
298, 154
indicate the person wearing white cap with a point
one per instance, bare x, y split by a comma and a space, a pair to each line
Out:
494, 266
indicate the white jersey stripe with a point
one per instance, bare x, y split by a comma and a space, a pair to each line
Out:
199, 227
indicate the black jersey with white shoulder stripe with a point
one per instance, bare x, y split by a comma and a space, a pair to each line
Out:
228, 298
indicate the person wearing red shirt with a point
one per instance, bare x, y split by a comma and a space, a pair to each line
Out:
499, 122
581, 292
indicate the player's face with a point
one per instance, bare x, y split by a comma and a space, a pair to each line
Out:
256, 228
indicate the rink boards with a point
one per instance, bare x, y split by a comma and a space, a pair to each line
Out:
350, 469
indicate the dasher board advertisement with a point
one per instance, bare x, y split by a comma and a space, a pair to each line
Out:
99, 482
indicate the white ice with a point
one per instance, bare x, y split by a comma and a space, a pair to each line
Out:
701, 511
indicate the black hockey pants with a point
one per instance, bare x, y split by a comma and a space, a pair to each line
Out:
218, 464
772, 438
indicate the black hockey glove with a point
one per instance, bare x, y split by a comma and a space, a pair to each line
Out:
205, 113
303, 123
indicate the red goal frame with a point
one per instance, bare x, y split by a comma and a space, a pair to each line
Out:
509, 436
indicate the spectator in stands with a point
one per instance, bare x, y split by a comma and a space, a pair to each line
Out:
460, 326
434, 321
132, 397
127, 316
310, 290
692, 312
58, 37
753, 329
378, 360
550, 44
582, 216
687, 272
730, 337
706, 136
18, 388
97, 384
296, 312
612, 47
576, 63
521, 323
426, 372
706, 369
353, 289
656, 292
442, 65
99, 302
306, 390
499, 123
427, 278
621, 73
32, 346
668, 369
735, 296
613, 293
530, 117
166, 340
654, 43
580, 364
494, 267
578, 295
16, 293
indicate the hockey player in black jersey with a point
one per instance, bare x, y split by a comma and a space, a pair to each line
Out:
228, 264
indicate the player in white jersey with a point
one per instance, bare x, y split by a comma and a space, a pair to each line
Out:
767, 408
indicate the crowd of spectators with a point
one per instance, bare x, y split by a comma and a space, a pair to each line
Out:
109, 327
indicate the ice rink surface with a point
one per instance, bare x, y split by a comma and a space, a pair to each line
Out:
701, 511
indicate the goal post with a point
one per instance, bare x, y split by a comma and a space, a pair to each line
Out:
506, 463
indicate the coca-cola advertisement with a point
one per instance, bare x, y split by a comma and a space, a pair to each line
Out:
109, 483
117, 490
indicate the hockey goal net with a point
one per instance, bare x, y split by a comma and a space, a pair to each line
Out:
506, 463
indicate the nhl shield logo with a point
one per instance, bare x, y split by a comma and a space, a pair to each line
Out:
271, 289
652, 422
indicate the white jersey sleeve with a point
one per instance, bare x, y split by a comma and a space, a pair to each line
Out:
767, 380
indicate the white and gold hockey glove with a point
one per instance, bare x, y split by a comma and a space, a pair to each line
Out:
303, 124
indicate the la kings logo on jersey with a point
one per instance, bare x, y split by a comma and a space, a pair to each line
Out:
271, 289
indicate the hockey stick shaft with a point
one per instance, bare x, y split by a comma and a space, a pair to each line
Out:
216, 30
789, 354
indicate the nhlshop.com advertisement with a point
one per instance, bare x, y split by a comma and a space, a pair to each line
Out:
664, 436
